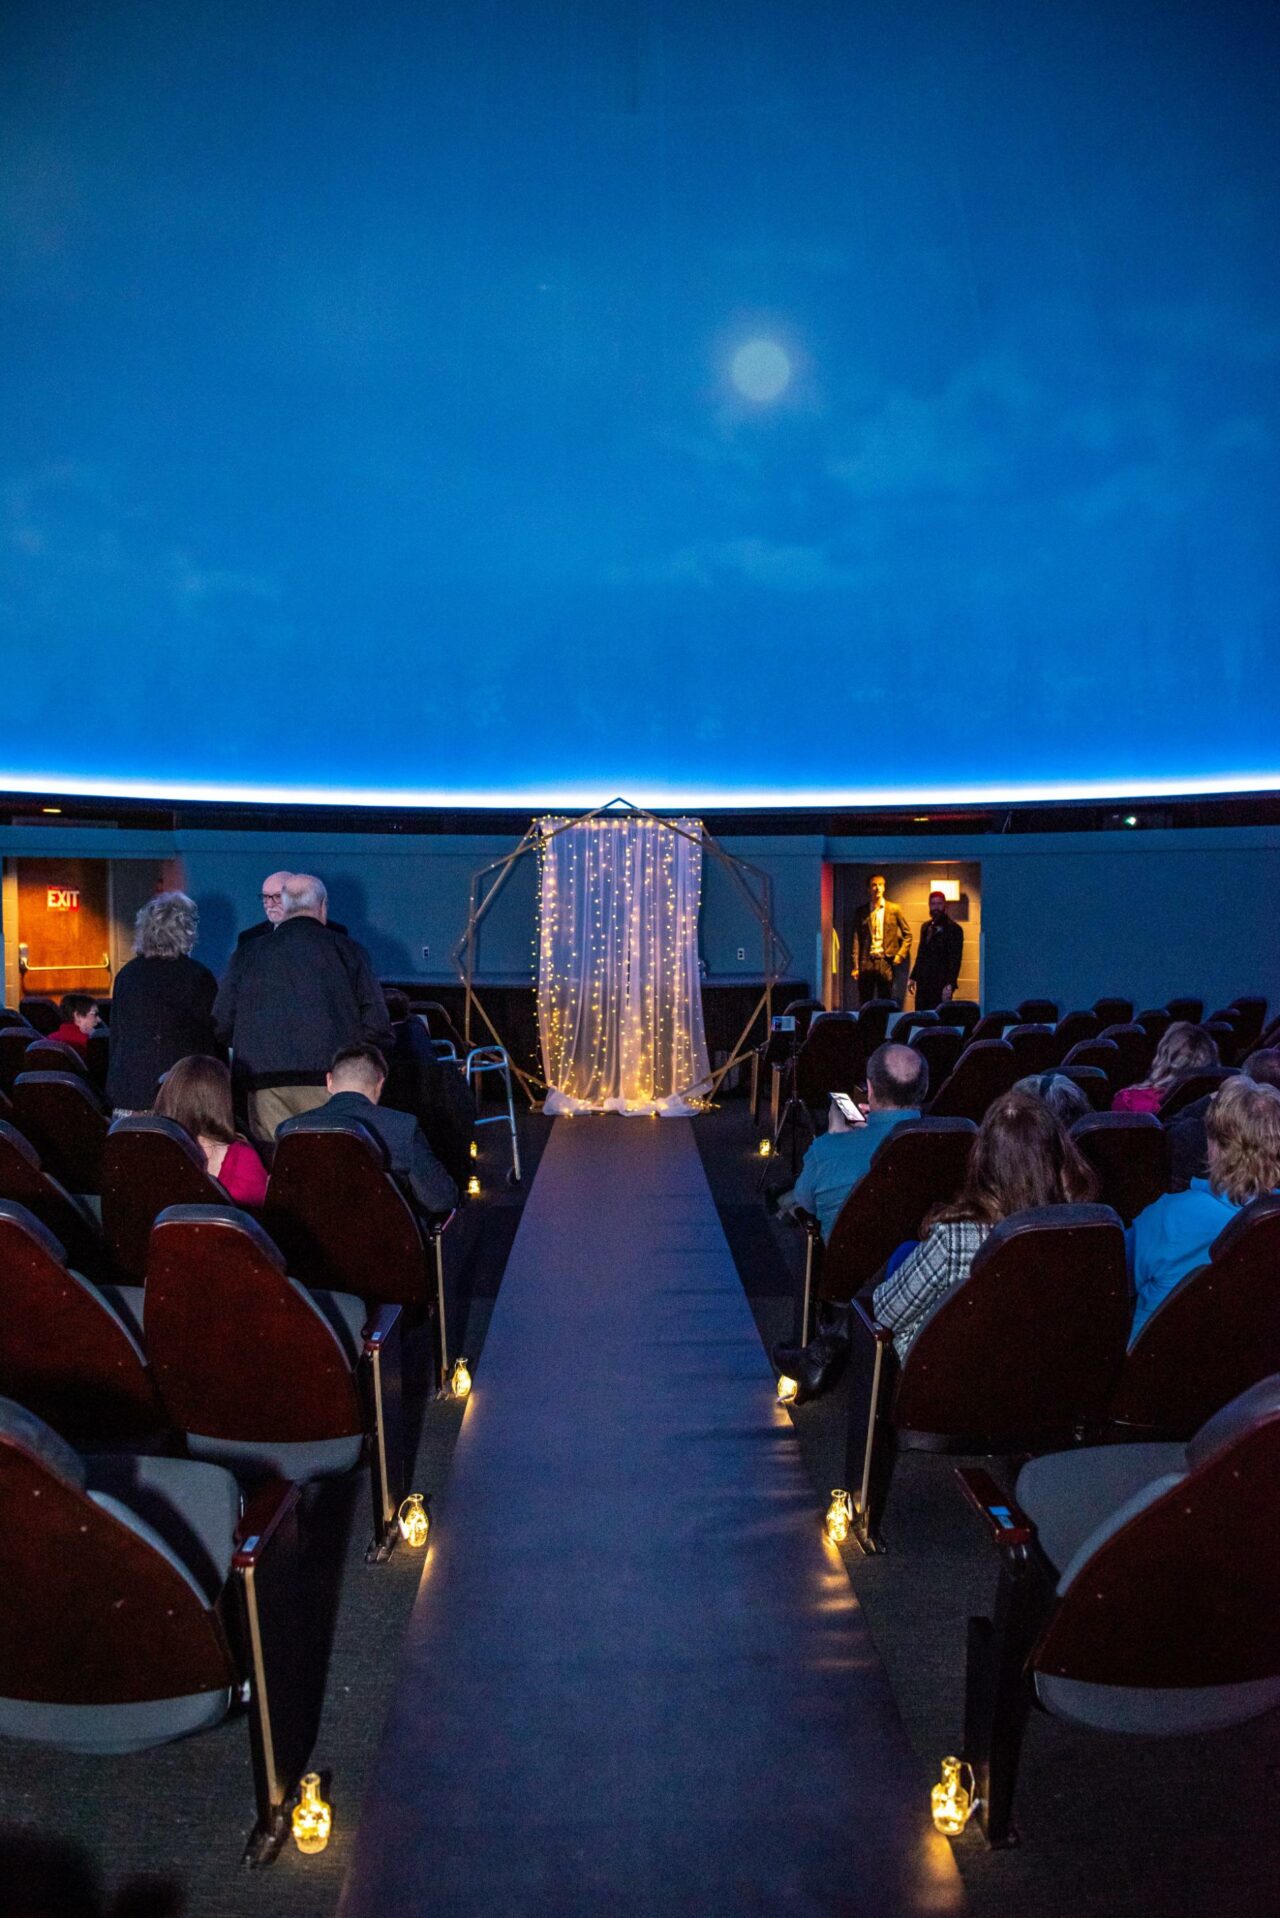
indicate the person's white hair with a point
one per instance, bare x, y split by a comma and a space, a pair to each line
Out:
304, 893
166, 927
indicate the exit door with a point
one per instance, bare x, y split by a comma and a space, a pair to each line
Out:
64, 917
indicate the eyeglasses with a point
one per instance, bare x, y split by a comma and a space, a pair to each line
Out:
272, 898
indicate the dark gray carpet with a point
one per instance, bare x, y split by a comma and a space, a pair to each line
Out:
636, 1681
1111, 1827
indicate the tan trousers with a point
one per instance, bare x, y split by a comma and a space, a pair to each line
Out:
269, 1108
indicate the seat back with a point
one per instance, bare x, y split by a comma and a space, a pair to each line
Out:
1038, 1012
832, 1059
1136, 1049
873, 1019
1075, 1026
92, 1610
1027, 1349
41, 1014
238, 1350
339, 1218
921, 1164
939, 1047
1129, 1152
148, 1163
803, 1011
439, 1024
1190, 1086
1189, 1010
65, 1354
1127, 1618
15, 1042
909, 1023
1225, 1037
964, 1013
1155, 1022
985, 1069
1092, 1081
1113, 1012
1252, 1011
9, 1016
1104, 1053
65, 1123
1216, 1333
24, 1181
992, 1025
1035, 1048
53, 1055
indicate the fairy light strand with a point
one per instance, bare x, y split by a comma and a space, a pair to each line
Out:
619, 999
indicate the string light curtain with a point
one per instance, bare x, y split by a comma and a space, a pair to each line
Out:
619, 994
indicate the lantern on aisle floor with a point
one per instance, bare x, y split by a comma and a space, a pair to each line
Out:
839, 1520
952, 1798
460, 1379
414, 1521
787, 1389
312, 1817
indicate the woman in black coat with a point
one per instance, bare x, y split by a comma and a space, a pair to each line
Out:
162, 1004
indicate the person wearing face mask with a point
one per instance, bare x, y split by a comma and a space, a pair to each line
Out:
882, 943
936, 971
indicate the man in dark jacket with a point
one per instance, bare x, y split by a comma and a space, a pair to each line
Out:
289, 1002
936, 971
354, 1083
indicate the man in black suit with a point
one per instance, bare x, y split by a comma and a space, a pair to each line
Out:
882, 941
354, 1082
936, 971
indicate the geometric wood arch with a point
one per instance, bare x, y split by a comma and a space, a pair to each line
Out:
755, 885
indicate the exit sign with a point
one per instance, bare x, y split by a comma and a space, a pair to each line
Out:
62, 898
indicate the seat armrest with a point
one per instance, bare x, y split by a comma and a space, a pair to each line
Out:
267, 1507
859, 1316
436, 1224
381, 1327
807, 1220
1007, 1524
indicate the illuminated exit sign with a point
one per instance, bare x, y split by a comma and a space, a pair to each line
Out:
62, 898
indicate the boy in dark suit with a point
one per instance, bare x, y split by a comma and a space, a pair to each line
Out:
354, 1082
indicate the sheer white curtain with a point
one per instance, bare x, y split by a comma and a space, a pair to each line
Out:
619, 996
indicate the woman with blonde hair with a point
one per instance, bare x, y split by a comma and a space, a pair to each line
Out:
1182, 1048
162, 1004
1173, 1236
196, 1094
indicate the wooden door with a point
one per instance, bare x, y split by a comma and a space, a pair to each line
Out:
64, 926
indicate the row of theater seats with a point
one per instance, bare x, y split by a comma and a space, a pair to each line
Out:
1138, 1458
973, 1058
169, 1376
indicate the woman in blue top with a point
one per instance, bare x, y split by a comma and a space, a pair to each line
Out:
1173, 1236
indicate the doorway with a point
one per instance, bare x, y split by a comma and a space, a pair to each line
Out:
907, 885
68, 922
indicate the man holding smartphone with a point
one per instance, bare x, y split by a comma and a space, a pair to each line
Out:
897, 1079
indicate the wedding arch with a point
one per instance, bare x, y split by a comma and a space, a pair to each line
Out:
618, 986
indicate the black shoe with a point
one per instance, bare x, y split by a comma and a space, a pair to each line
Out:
814, 1367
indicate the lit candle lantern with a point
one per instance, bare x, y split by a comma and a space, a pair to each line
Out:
839, 1519
312, 1817
460, 1379
951, 1799
414, 1521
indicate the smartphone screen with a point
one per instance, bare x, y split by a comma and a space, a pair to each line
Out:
847, 1109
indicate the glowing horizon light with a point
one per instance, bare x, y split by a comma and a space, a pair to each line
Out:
761, 371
